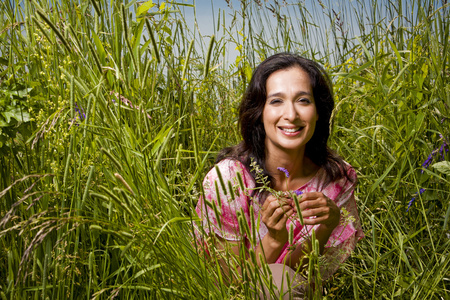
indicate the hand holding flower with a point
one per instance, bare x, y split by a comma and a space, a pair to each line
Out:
319, 209
274, 213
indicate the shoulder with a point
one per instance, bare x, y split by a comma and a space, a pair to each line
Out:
230, 164
351, 173
338, 187
342, 172
228, 169
348, 179
343, 187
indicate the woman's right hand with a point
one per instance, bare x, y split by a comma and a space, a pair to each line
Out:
274, 214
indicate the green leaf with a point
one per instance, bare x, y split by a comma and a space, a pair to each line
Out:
166, 30
137, 38
144, 7
442, 167
16, 113
18, 93
247, 71
100, 48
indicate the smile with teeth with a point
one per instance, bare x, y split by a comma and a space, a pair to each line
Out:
291, 130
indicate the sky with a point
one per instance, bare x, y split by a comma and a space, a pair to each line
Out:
207, 12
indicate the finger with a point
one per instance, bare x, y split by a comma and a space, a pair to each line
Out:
288, 214
315, 196
274, 211
272, 198
314, 221
316, 203
267, 202
274, 203
316, 212
280, 214
324, 215
281, 211
281, 222
310, 196
325, 219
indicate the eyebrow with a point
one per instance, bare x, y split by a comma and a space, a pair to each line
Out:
277, 94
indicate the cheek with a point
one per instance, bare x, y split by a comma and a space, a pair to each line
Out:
266, 116
313, 116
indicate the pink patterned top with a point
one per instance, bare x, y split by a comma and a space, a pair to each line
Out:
340, 244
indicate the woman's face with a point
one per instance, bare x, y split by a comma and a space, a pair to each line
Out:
289, 114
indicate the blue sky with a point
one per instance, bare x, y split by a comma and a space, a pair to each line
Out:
347, 12
207, 14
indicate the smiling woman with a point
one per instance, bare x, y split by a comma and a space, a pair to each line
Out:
289, 115
284, 119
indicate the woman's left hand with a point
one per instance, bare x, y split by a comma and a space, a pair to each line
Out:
319, 209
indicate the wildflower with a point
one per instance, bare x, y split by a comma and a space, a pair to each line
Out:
444, 147
284, 170
298, 193
80, 112
429, 160
442, 151
414, 198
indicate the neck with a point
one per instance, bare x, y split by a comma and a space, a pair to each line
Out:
300, 168
293, 162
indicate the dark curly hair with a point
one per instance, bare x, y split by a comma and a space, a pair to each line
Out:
251, 108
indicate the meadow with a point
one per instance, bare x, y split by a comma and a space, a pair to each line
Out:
112, 112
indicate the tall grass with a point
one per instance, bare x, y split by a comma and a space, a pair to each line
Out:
111, 115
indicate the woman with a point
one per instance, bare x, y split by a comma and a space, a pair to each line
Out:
284, 119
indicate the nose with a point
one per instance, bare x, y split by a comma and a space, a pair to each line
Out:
290, 113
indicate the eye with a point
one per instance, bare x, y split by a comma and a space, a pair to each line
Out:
275, 101
304, 100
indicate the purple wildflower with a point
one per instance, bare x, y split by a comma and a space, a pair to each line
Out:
82, 110
298, 193
286, 172
442, 152
444, 147
429, 160
414, 198
80, 113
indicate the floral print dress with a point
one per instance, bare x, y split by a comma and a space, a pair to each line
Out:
223, 220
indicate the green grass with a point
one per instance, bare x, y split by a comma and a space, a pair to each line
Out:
101, 205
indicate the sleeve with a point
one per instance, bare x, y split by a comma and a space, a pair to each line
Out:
218, 208
344, 237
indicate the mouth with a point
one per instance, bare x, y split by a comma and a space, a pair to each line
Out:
291, 130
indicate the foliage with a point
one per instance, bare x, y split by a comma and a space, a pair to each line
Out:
109, 121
